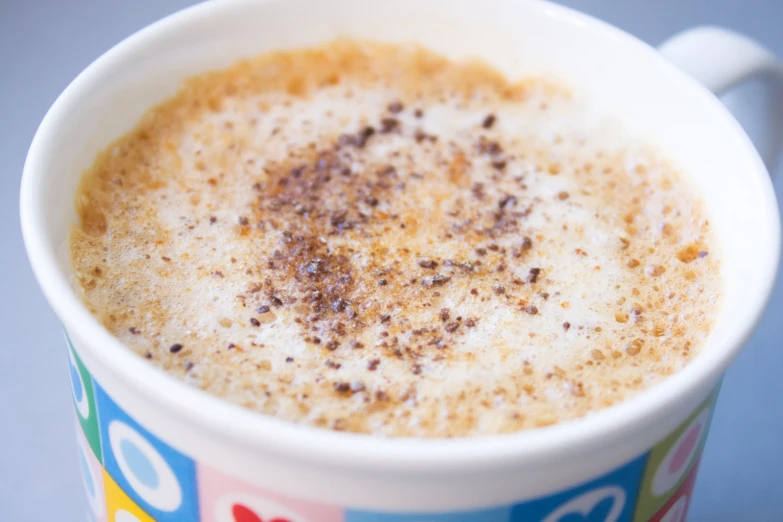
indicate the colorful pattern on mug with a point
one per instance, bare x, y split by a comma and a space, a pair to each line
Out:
130, 475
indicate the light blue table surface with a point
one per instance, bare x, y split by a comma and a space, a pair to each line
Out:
45, 43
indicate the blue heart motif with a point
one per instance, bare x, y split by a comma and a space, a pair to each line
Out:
599, 513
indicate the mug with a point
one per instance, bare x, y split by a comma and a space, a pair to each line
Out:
153, 448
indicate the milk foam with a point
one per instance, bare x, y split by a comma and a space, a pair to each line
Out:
490, 258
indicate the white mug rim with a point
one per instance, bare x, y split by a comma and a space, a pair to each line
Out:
356, 450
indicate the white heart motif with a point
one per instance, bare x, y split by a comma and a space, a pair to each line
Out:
586, 502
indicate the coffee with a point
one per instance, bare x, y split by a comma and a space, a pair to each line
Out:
375, 239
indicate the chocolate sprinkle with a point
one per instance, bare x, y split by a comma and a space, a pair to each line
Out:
395, 107
342, 387
427, 263
532, 275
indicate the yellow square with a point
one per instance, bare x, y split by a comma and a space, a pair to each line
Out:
119, 506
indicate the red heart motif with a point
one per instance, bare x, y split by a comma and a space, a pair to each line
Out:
244, 514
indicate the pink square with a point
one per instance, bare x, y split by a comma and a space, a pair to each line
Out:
226, 499
676, 508
92, 478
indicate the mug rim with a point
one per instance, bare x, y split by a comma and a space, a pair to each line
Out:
257, 430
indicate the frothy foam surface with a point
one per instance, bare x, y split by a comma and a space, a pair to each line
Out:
374, 239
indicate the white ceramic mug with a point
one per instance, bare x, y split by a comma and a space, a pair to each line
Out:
153, 448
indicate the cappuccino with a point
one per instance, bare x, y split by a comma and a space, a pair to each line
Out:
375, 239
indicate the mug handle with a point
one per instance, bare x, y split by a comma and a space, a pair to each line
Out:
721, 59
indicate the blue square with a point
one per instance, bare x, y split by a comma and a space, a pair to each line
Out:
611, 498
484, 515
158, 478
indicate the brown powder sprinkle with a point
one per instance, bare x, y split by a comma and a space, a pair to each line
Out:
634, 347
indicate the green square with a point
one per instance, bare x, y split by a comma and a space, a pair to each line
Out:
672, 459
84, 399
